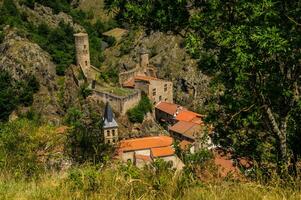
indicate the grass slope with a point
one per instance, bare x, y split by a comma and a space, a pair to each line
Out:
86, 183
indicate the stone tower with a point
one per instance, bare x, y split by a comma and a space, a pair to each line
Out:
110, 126
144, 59
83, 53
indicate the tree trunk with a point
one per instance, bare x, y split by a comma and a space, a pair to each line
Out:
281, 132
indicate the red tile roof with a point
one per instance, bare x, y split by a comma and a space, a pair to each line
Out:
163, 151
169, 108
184, 144
145, 78
145, 143
223, 160
131, 83
188, 129
189, 116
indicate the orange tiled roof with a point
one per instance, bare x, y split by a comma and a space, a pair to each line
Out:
145, 143
145, 78
186, 128
184, 145
189, 116
163, 151
169, 108
130, 83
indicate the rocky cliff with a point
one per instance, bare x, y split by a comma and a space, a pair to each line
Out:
21, 57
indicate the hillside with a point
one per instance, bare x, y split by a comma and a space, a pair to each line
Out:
233, 69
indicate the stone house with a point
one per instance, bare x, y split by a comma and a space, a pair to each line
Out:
156, 89
143, 151
166, 112
110, 126
144, 78
183, 125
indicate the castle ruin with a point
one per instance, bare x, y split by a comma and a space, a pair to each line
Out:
119, 103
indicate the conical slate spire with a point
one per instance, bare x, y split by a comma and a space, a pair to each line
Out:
108, 115
108, 118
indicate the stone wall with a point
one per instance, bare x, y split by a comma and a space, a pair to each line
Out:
119, 104
124, 76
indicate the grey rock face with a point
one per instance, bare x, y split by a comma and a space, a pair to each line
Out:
21, 57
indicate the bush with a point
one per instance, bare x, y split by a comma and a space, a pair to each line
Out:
21, 144
110, 75
110, 40
22, 91
85, 91
136, 114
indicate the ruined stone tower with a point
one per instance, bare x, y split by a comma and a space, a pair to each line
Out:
83, 53
144, 59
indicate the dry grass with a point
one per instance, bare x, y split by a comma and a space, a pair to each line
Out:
124, 184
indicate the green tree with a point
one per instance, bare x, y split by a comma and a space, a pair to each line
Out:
252, 52
154, 14
15, 92
137, 113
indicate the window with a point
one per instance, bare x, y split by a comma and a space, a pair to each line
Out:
109, 141
85, 46
160, 98
108, 133
154, 92
114, 140
86, 63
113, 133
165, 87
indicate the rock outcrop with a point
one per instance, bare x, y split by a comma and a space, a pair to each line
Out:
41, 14
21, 57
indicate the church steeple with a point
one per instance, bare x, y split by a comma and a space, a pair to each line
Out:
110, 126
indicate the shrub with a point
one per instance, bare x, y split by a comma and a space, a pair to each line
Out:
110, 75
110, 40
136, 114
85, 91
21, 143
23, 91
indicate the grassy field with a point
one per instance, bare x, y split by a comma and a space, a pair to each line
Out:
127, 183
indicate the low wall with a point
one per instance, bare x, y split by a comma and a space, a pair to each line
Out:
124, 76
120, 104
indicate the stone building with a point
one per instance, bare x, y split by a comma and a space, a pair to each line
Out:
156, 89
110, 126
143, 151
144, 78
184, 125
